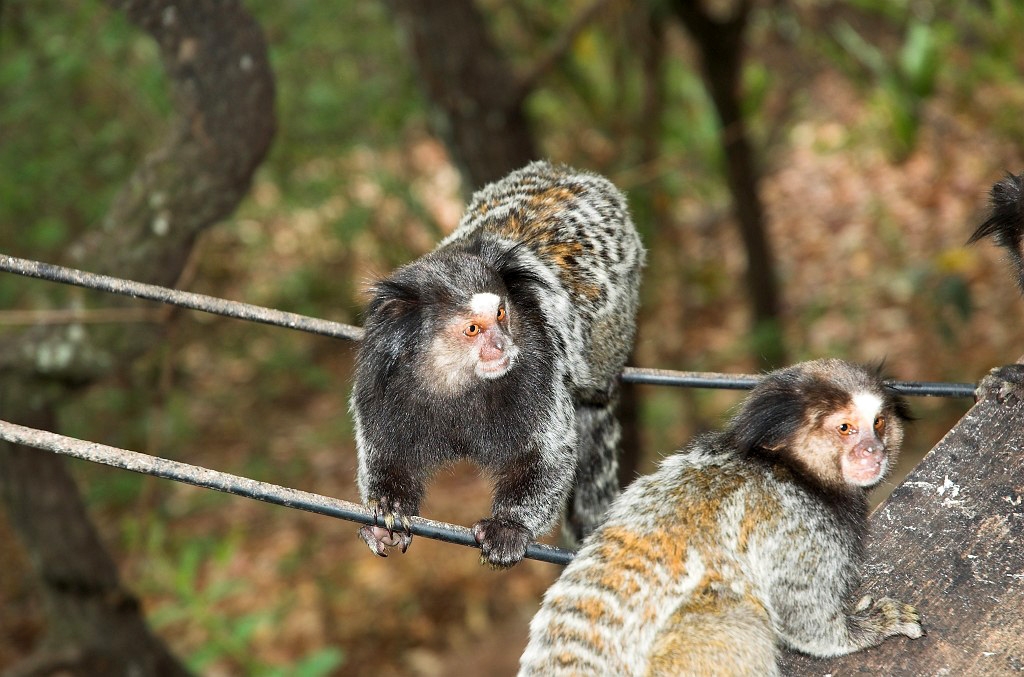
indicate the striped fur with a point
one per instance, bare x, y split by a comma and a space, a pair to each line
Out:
558, 248
708, 565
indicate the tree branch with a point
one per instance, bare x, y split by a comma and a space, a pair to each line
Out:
556, 51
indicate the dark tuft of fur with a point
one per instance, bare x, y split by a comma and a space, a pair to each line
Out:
780, 405
770, 416
392, 321
520, 279
1005, 224
899, 404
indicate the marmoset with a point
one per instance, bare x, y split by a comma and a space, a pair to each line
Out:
1006, 226
746, 539
503, 346
1006, 222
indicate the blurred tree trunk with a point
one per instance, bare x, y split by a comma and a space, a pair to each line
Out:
720, 42
222, 89
94, 624
648, 202
477, 107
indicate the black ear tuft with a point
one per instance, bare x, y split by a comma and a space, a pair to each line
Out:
895, 401
515, 271
394, 323
392, 299
899, 404
876, 369
770, 415
1006, 222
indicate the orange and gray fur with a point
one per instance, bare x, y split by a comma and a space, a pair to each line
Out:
503, 346
745, 540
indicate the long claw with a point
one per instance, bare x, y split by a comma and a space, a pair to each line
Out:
376, 547
379, 538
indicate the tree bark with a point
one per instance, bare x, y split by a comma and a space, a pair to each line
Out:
477, 104
720, 42
216, 60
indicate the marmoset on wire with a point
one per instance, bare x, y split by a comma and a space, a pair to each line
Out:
503, 346
745, 540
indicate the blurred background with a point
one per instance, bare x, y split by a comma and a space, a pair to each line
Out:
804, 175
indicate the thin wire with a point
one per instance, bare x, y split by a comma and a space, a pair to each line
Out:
246, 311
152, 292
706, 379
249, 488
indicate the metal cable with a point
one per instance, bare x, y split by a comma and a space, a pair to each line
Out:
184, 299
706, 379
293, 498
249, 488
313, 325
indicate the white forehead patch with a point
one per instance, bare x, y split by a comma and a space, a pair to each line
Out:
484, 304
867, 405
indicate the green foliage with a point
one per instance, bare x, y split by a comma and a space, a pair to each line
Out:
693, 127
119, 412
757, 84
342, 80
315, 664
197, 573
70, 103
904, 82
992, 31
946, 300
85, 98
768, 344
919, 59
82, 93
